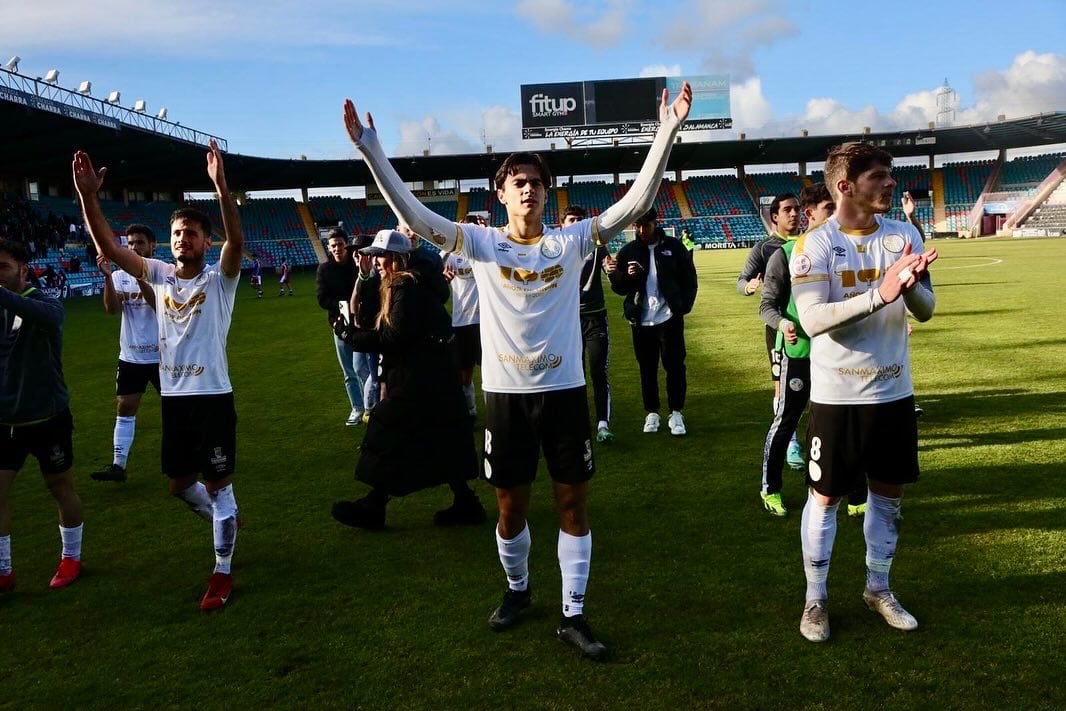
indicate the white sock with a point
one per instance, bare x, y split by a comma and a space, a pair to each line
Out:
224, 518
514, 556
575, 558
818, 529
198, 500
5, 555
879, 529
124, 430
601, 425
71, 541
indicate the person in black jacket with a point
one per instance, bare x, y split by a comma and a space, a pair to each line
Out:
658, 293
336, 281
398, 457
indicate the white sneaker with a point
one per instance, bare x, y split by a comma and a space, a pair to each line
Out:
355, 418
651, 422
885, 604
814, 625
676, 423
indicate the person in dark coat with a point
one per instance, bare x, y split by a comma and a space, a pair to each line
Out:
397, 456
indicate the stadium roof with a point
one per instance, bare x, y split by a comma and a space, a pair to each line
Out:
39, 144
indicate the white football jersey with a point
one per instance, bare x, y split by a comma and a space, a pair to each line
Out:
138, 336
194, 317
529, 292
464, 291
866, 361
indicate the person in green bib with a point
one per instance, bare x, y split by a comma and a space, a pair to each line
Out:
778, 311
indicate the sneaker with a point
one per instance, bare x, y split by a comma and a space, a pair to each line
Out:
794, 457
67, 572
464, 511
112, 472
918, 411
856, 510
7, 582
219, 588
604, 435
773, 504
651, 422
676, 423
575, 632
814, 625
514, 601
354, 418
885, 604
363, 513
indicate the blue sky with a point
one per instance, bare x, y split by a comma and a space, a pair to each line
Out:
270, 76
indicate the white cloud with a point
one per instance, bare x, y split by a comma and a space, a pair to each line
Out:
427, 134
661, 70
729, 34
601, 24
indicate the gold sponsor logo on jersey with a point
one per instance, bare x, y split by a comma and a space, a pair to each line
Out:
177, 372
182, 310
525, 276
873, 374
531, 364
849, 278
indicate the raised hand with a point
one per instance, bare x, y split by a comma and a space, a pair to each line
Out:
352, 123
908, 205
87, 181
681, 106
900, 276
104, 264
215, 169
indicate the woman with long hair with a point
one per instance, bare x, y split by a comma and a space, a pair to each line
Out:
400, 454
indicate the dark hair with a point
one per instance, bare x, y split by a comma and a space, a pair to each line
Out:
776, 204
576, 210
848, 161
814, 195
338, 233
15, 250
139, 229
511, 165
193, 215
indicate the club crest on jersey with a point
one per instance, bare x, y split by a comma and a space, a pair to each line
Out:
795, 385
550, 248
894, 243
803, 265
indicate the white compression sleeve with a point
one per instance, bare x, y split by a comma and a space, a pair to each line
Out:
819, 316
411, 212
641, 195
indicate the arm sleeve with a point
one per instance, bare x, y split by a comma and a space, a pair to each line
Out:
776, 289
641, 195
810, 272
411, 212
920, 301
752, 267
44, 312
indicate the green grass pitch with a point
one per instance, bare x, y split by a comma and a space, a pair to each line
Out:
697, 591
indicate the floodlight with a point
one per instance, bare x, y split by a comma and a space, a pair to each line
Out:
52, 77
114, 97
139, 106
13, 64
85, 87
162, 113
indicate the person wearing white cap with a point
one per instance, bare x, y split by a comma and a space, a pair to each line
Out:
413, 331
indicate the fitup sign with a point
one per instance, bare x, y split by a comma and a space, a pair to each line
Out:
553, 104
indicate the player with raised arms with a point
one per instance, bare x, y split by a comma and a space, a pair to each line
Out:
194, 308
854, 279
528, 279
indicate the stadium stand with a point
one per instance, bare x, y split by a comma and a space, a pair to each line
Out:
1025, 173
774, 184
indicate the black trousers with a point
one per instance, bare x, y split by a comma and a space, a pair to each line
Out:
795, 394
666, 343
596, 346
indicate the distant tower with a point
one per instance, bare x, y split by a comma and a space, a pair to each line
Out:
946, 101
